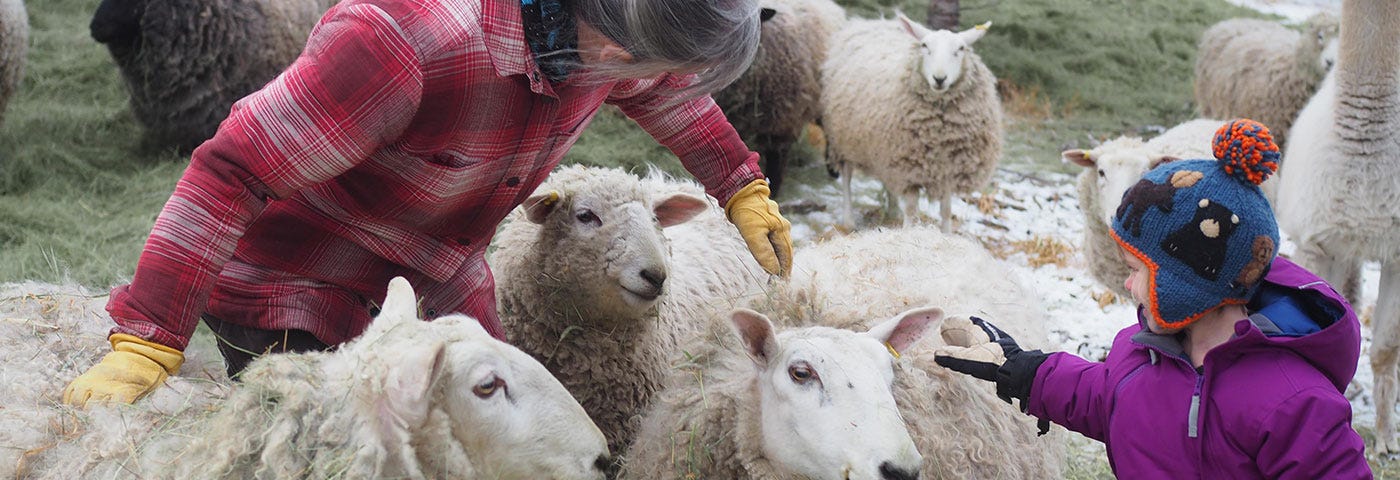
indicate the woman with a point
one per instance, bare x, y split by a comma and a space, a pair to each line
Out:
395, 145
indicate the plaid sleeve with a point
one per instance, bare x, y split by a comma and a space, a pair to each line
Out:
695, 130
355, 88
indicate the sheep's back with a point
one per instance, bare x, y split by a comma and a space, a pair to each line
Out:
1248, 68
14, 48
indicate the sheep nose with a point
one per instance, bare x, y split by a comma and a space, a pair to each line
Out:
938, 81
888, 471
654, 278
604, 463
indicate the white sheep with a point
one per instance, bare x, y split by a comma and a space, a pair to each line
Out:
14, 49
408, 399
591, 285
1338, 188
1261, 70
707, 421
1113, 167
778, 95
185, 62
916, 109
752, 400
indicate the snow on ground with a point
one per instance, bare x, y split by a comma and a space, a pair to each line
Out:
1026, 216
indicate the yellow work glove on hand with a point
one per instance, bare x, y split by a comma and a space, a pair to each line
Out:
134, 368
763, 228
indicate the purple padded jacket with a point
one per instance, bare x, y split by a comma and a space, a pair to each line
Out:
1267, 403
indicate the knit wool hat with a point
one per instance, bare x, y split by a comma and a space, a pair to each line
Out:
1203, 227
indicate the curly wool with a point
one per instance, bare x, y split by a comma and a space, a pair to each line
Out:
613, 365
881, 116
779, 94
1260, 69
14, 49
185, 62
704, 424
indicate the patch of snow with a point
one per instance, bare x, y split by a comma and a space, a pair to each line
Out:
1296, 11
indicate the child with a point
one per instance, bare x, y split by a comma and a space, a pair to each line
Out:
1238, 362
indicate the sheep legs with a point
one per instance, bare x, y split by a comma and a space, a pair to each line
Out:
909, 206
846, 189
945, 210
1385, 352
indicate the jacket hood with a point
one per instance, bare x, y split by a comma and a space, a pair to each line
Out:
1297, 311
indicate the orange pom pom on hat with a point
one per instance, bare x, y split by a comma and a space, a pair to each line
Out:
1203, 227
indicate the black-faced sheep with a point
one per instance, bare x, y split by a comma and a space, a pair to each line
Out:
1261, 70
916, 109
1338, 188
408, 399
185, 62
778, 95
14, 49
601, 274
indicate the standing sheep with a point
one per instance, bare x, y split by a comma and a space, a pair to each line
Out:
186, 62
408, 399
705, 421
1113, 167
915, 108
778, 95
591, 285
1338, 189
14, 49
1258, 69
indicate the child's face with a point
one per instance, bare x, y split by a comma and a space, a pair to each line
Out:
1137, 284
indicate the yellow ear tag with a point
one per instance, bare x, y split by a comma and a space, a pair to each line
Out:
984, 26
894, 353
553, 197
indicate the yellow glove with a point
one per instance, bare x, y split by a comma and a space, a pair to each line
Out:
763, 228
134, 368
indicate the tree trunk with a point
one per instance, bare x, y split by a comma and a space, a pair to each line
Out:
942, 14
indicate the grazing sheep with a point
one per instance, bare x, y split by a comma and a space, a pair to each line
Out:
754, 401
704, 420
14, 48
1338, 188
408, 399
915, 108
778, 95
591, 285
1113, 167
1258, 69
186, 62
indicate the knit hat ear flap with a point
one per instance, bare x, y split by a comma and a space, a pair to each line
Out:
1246, 150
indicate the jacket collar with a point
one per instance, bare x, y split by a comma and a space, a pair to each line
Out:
505, 43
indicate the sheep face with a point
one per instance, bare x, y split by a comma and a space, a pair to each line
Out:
510, 416
827, 409
602, 244
944, 53
1116, 167
514, 419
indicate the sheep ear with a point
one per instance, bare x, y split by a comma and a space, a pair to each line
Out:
538, 207
907, 328
914, 28
1077, 157
756, 333
972, 35
408, 390
400, 303
766, 14
1160, 159
679, 208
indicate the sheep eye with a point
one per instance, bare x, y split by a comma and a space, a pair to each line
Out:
587, 216
488, 388
801, 373
1101, 174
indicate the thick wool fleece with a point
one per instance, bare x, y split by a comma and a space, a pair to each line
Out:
882, 116
612, 359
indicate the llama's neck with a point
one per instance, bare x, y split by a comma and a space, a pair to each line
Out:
1368, 72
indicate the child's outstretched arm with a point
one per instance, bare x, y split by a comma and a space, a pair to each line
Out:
1059, 387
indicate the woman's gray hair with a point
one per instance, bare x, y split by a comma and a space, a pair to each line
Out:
716, 39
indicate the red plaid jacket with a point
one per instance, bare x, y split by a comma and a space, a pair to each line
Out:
393, 146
